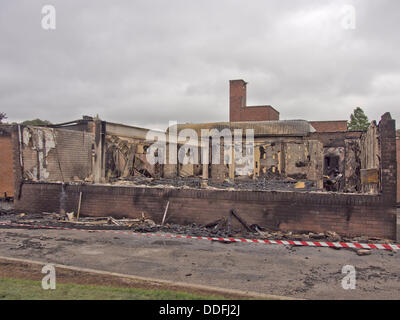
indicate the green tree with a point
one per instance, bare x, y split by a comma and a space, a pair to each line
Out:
358, 120
36, 122
2, 116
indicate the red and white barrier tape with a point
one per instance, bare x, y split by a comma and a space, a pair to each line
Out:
259, 241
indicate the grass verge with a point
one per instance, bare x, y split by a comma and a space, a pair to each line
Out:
16, 289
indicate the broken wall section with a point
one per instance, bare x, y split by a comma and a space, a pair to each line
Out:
50, 154
352, 165
6, 163
304, 161
388, 162
296, 159
275, 158
126, 157
341, 160
398, 164
370, 160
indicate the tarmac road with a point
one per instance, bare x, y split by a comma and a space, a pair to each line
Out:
300, 272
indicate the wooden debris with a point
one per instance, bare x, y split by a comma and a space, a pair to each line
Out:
257, 229
114, 221
79, 205
241, 220
165, 214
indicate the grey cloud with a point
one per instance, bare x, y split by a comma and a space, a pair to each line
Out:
148, 62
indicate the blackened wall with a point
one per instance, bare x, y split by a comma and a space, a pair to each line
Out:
388, 160
347, 214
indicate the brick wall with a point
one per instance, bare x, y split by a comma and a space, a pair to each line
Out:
388, 160
347, 214
330, 126
398, 164
238, 109
6, 163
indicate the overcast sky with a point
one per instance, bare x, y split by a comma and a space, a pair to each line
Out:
147, 62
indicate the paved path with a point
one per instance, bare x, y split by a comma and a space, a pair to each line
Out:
301, 272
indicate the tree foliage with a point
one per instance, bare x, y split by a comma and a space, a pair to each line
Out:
358, 120
36, 122
2, 116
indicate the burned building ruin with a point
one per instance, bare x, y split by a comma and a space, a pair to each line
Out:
307, 175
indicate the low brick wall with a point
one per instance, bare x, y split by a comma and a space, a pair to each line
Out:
398, 166
6, 163
347, 214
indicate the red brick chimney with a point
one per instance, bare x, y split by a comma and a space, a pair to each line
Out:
237, 99
238, 111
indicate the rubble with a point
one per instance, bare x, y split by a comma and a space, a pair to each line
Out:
261, 184
316, 236
363, 252
221, 228
70, 216
332, 236
4, 212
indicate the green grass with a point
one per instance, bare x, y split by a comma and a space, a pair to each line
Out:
13, 289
